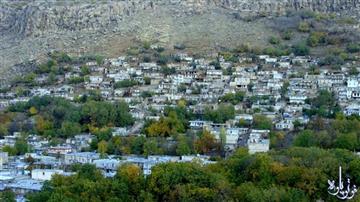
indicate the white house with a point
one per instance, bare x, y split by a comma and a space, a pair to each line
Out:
353, 109
285, 124
80, 157
95, 79
258, 141
44, 174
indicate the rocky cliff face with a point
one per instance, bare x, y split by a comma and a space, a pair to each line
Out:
38, 17
28, 29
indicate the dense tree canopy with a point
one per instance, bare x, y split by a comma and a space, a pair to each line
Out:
220, 115
60, 117
294, 174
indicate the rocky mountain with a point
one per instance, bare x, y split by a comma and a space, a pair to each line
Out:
29, 29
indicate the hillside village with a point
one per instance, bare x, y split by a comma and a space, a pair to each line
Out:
259, 88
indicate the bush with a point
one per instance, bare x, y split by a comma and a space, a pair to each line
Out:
146, 94
304, 27
160, 49
146, 45
274, 40
316, 38
76, 80
216, 64
331, 60
162, 60
146, 59
125, 83
61, 57
147, 80
275, 51
287, 35
347, 20
353, 48
301, 49
167, 70
243, 48
353, 71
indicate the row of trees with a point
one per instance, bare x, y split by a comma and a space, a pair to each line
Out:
61, 118
340, 132
295, 174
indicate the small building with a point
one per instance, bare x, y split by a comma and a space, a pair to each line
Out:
284, 125
4, 158
44, 174
353, 109
24, 186
258, 141
59, 150
80, 157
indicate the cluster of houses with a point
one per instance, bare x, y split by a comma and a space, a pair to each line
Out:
278, 88
27, 173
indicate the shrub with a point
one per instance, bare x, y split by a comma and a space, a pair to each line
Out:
162, 60
76, 80
274, 51
331, 60
316, 38
353, 48
125, 83
347, 20
287, 35
304, 27
301, 49
243, 48
274, 40
167, 70
146, 45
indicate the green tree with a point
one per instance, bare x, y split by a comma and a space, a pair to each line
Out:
51, 79
262, 122
125, 83
316, 38
170, 182
223, 113
10, 150
222, 136
21, 146
85, 70
166, 126
287, 35
69, 129
353, 71
147, 80
301, 49
151, 147
274, 40
206, 143
347, 141
305, 138
132, 176
7, 196
182, 147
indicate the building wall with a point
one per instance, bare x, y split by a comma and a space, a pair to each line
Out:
41, 174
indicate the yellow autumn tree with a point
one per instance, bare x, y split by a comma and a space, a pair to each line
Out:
33, 111
42, 124
102, 148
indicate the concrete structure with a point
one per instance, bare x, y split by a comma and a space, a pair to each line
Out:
80, 157
44, 174
258, 141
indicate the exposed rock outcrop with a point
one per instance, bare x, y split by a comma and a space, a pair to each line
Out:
28, 29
